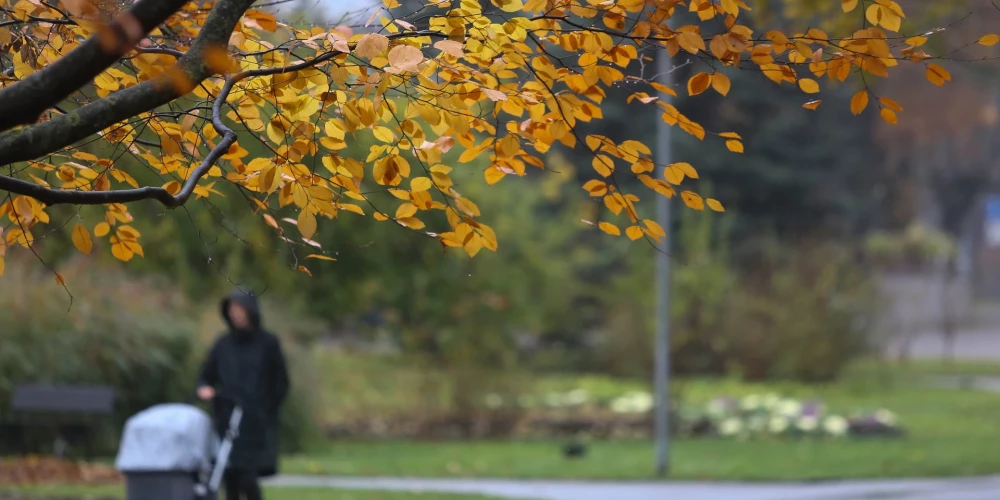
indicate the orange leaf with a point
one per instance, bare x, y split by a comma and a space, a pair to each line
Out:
81, 239
808, 85
693, 200
610, 228
721, 83
812, 104
989, 40
889, 116
889, 103
937, 75
859, 102
318, 256
699, 83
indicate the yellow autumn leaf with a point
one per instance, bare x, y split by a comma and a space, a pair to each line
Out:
319, 256
654, 229
734, 146
808, 85
633, 232
411, 222
848, 5
265, 21
383, 134
102, 229
371, 45
81, 239
699, 83
693, 200
406, 57
889, 116
596, 187
721, 83
508, 5
603, 165
406, 210
714, 205
493, 175
121, 251
989, 40
859, 102
811, 105
452, 47
891, 104
307, 224
937, 75
610, 228
419, 184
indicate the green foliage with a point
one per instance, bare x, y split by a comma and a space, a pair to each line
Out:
803, 315
914, 248
128, 333
139, 336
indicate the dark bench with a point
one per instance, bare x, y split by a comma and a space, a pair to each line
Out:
69, 410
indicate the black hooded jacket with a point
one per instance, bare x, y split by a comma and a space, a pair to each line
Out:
248, 366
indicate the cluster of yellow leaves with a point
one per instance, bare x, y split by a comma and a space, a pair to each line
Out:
486, 84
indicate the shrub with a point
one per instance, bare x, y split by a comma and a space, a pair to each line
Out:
117, 330
800, 315
139, 336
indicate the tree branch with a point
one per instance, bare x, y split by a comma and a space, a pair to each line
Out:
61, 197
24, 101
37, 140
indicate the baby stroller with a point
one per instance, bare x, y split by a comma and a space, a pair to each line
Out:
170, 452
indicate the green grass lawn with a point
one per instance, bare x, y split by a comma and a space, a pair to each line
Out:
951, 433
65, 492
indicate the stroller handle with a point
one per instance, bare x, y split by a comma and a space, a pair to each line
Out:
220, 394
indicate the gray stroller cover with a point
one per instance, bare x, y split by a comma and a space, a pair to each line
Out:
167, 437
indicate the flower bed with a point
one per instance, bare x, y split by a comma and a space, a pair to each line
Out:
770, 415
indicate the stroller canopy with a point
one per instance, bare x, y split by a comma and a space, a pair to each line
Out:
166, 437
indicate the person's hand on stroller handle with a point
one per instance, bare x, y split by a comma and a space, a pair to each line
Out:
206, 393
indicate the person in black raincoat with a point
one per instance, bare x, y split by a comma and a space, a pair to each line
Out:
246, 365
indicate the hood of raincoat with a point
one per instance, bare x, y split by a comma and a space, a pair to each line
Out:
249, 302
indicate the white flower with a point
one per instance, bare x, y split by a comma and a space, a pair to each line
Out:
778, 425
771, 400
643, 401
493, 400
790, 408
885, 417
750, 402
576, 397
731, 427
633, 402
717, 407
554, 399
807, 424
835, 425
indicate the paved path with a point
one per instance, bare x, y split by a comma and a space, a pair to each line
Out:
985, 488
